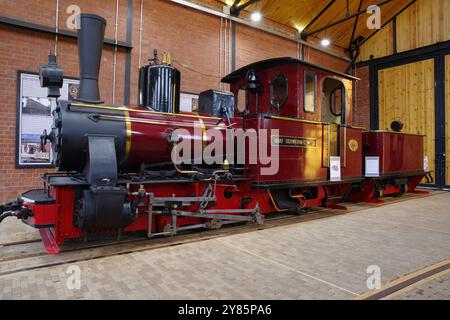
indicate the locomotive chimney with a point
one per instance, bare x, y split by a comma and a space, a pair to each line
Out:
91, 33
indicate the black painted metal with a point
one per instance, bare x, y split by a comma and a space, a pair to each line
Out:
438, 53
71, 128
324, 9
50, 30
51, 76
354, 26
276, 61
103, 208
440, 138
216, 103
388, 21
235, 10
101, 164
159, 88
374, 117
358, 13
409, 56
90, 42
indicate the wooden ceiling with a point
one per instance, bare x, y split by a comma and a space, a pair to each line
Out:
300, 13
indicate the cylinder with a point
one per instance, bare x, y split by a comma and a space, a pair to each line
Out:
159, 88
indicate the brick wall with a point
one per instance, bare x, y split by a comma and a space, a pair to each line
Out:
192, 37
361, 98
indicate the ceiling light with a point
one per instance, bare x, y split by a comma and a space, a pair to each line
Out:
256, 16
325, 42
299, 28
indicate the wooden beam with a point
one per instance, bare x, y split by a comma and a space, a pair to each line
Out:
235, 9
270, 30
307, 34
329, 4
235, 3
387, 22
355, 25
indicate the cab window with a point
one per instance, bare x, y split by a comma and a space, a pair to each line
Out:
310, 93
279, 91
241, 100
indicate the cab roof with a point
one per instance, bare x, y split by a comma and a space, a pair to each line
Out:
241, 72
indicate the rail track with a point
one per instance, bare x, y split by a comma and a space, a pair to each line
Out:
26, 255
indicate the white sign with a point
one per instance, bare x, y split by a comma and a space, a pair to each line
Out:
335, 168
426, 165
188, 102
372, 166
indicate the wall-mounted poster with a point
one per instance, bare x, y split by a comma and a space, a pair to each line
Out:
188, 102
34, 114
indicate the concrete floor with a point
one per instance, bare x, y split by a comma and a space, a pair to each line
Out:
319, 259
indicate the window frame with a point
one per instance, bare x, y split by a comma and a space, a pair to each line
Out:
305, 73
241, 87
343, 100
285, 99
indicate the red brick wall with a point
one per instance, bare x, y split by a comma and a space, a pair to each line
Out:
192, 37
323, 59
361, 98
253, 45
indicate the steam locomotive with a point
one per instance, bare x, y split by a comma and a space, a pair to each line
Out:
116, 167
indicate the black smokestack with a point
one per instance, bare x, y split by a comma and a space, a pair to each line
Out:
91, 33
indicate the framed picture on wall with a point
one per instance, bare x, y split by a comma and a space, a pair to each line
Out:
34, 115
188, 102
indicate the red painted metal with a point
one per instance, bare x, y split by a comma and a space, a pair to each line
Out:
398, 152
49, 241
303, 171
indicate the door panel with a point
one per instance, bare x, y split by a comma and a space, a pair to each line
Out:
406, 94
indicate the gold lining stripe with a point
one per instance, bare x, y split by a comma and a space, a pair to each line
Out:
173, 98
141, 111
312, 122
128, 138
160, 122
296, 120
396, 132
204, 136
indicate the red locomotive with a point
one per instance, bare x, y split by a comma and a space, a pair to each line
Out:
116, 167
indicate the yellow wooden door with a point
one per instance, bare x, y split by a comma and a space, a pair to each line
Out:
406, 94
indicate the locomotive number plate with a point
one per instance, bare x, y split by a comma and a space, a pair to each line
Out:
299, 142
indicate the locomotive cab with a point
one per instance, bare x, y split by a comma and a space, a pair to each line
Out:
311, 107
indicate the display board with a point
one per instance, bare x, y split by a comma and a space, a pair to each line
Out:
34, 115
188, 102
